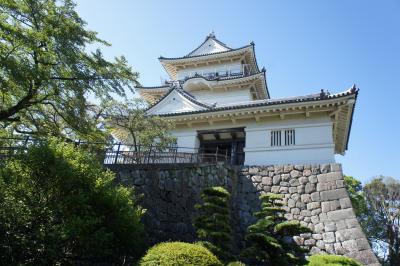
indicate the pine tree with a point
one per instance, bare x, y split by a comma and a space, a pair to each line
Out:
213, 226
269, 240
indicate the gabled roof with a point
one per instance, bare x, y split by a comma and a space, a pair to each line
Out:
210, 45
180, 100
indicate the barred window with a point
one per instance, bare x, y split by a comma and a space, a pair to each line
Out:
276, 138
290, 137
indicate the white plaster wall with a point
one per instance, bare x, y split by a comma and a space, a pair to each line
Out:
223, 97
314, 141
181, 74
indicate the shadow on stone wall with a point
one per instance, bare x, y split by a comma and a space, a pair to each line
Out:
315, 195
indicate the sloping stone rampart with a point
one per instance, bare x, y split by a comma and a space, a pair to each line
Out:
313, 194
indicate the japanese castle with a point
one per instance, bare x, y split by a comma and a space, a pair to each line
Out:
219, 101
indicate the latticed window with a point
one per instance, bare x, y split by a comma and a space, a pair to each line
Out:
276, 138
289, 135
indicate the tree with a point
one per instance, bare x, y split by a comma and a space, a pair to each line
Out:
129, 123
382, 196
269, 240
59, 206
213, 226
47, 74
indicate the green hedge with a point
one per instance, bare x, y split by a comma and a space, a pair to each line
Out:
177, 254
331, 260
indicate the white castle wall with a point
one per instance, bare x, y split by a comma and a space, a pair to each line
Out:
223, 97
314, 141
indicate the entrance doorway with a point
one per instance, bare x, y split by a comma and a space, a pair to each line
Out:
226, 143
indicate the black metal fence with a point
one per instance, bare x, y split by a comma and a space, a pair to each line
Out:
120, 153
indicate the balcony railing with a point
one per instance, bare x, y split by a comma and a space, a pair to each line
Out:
243, 70
125, 154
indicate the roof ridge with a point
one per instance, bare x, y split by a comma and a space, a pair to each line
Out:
209, 36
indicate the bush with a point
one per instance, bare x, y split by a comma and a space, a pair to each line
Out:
213, 226
177, 254
331, 260
267, 239
59, 206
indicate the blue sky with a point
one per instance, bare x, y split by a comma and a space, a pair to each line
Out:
304, 45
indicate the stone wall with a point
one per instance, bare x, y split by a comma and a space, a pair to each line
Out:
314, 195
169, 194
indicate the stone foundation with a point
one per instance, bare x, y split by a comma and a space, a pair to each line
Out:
314, 195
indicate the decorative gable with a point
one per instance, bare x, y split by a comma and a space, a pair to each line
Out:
175, 102
210, 46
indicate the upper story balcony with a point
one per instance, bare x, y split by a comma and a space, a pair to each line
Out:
220, 73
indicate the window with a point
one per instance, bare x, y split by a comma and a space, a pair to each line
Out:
289, 137
276, 137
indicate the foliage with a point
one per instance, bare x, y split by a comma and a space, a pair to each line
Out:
59, 206
269, 239
129, 123
213, 226
179, 254
331, 260
236, 263
382, 196
47, 73
354, 188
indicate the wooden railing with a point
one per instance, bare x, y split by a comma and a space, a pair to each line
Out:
119, 153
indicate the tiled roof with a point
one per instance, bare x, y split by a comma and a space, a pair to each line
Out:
269, 102
194, 56
210, 36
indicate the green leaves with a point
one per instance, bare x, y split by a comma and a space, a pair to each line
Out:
58, 205
47, 73
213, 225
265, 239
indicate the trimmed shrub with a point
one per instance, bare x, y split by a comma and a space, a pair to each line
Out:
213, 226
331, 260
268, 239
179, 254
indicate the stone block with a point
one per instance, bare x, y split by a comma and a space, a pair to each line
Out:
295, 211
367, 257
313, 179
340, 215
291, 203
295, 196
334, 205
305, 213
303, 180
283, 190
299, 167
276, 179
339, 250
294, 182
306, 198
292, 190
309, 188
328, 237
313, 205
325, 206
294, 174
285, 177
298, 240
333, 194
314, 250
362, 244
340, 225
309, 242
330, 248
284, 184
317, 236
253, 170
256, 178
350, 245
275, 189
300, 205
352, 222
320, 244
340, 183
278, 169
301, 189
345, 203
329, 177
330, 227
319, 227
315, 196
307, 172
316, 211
348, 234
